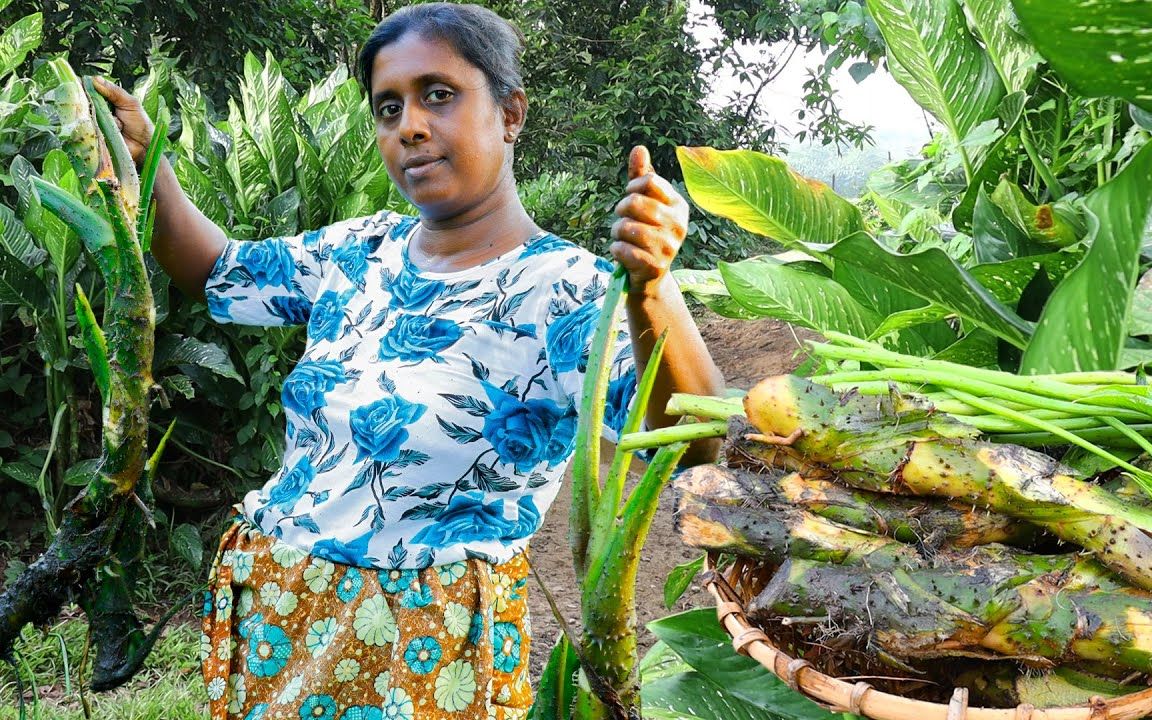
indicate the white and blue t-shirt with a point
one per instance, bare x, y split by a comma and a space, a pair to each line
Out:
432, 415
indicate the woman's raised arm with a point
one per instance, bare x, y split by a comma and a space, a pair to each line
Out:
184, 241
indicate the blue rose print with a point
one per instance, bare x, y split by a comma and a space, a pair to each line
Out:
354, 553
620, 393
218, 306
526, 433
412, 292
312, 238
417, 337
352, 259
294, 310
568, 336
467, 519
268, 262
305, 387
328, 315
380, 429
546, 244
292, 486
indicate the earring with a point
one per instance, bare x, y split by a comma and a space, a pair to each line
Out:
510, 137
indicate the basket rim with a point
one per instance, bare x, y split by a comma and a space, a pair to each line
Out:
860, 698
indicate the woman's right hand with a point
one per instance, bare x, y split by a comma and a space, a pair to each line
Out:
134, 123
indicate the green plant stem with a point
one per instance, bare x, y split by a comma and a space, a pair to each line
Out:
1055, 187
1142, 477
863, 351
704, 406
676, 433
47, 496
195, 455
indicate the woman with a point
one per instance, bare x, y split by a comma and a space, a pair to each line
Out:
381, 572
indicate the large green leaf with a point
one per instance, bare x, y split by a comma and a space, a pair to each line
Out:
18, 284
708, 287
1141, 321
201, 190
934, 276
702, 643
17, 241
938, 61
269, 117
769, 288
1000, 158
1101, 47
763, 195
1084, 324
19, 39
1011, 53
557, 688
175, 350
691, 696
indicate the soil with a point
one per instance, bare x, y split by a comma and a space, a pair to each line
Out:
746, 352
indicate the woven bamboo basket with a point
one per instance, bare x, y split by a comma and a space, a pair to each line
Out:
731, 591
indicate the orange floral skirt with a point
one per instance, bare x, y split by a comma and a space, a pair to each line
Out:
290, 636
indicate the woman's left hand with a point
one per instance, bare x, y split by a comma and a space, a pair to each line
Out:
652, 226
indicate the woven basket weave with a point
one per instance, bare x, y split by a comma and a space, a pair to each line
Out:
730, 590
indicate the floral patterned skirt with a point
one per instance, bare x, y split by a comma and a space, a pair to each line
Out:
295, 637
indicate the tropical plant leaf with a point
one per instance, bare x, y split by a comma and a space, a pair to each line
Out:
938, 61
708, 287
769, 288
702, 643
691, 696
660, 662
1085, 322
680, 579
175, 350
80, 474
1052, 224
19, 285
1102, 48
994, 237
19, 39
187, 544
934, 276
1140, 323
999, 159
557, 688
976, 349
201, 190
762, 194
17, 241
1011, 53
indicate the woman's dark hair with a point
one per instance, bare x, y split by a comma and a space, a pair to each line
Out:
477, 34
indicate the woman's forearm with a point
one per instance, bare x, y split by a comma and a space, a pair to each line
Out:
184, 241
686, 367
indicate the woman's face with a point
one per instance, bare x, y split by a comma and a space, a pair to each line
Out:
441, 133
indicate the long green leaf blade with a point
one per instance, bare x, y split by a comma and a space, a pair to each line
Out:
93, 230
1084, 323
557, 689
609, 505
1011, 53
762, 194
934, 276
938, 61
148, 181
94, 343
1103, 48
21, 38
122, 162
586, 456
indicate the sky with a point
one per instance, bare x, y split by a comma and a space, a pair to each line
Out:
878, 101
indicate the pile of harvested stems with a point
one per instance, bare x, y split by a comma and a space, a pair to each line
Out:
904, 530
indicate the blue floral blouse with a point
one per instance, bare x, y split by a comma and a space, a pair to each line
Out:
432, 415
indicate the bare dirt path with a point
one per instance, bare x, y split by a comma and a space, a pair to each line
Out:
746, 353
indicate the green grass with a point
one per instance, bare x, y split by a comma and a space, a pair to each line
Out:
169, 686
